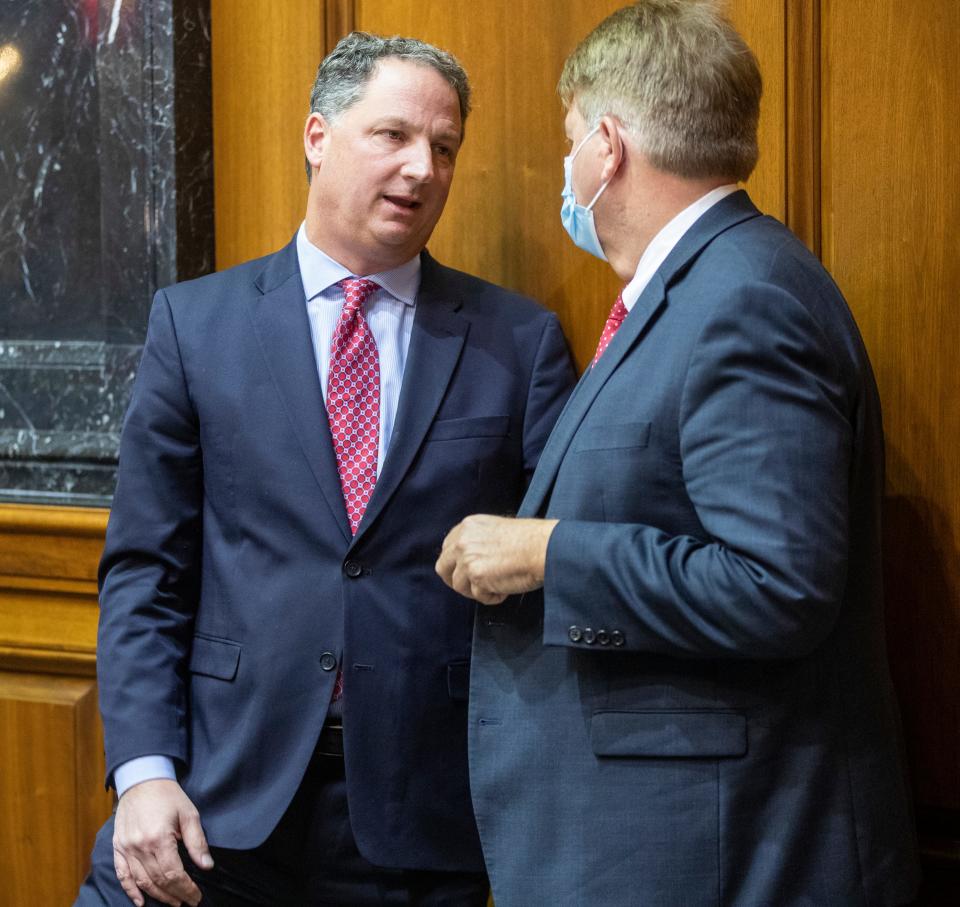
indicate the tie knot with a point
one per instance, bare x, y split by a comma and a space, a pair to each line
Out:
614, 320
617, 313
356, 291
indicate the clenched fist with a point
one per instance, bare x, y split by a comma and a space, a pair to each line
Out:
488, 558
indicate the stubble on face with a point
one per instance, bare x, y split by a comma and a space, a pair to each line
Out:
385, 169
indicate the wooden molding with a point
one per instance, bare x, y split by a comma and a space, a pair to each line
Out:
48, 588
339, 19
803, 119
48, 520
51, 785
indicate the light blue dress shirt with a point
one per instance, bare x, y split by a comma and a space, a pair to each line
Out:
389, 313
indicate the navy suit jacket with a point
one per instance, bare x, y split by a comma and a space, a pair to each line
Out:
698, 710
231, 587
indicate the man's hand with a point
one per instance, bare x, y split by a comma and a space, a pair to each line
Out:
489, 557
151, 818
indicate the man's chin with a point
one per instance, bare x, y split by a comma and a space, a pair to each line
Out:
398, 236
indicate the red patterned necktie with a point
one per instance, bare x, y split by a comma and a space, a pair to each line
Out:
614, 320
353, 405
353, 399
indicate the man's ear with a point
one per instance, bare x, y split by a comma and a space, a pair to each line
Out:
316, 132
613, 149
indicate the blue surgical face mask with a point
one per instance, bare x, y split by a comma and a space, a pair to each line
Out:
578, 220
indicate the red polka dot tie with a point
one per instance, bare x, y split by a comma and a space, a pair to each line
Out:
614, 320
353, 405
353, 399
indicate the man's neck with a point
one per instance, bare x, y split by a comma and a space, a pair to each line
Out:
659, 198
352, 258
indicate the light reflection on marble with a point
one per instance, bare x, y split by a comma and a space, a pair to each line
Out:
105, 195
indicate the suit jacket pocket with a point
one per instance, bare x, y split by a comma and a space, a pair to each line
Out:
664, 734
214, 657
610, 437
477, 427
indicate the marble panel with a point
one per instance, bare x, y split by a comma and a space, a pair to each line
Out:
106, 194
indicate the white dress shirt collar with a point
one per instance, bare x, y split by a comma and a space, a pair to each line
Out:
318, 271
664, 242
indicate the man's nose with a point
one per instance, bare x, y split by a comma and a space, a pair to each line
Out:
419, 162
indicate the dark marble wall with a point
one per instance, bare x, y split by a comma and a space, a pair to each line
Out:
106, 194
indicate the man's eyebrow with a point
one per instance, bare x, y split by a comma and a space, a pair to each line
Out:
449, 135
391, 121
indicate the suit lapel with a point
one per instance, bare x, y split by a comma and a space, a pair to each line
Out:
728, 212
593, 379
282, 328
435, 345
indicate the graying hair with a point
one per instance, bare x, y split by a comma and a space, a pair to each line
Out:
344, 73
681, 80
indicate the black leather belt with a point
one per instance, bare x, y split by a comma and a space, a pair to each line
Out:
330, 742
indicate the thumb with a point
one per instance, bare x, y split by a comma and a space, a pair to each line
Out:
194, 839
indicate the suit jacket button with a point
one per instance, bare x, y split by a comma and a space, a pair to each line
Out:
328, 661
617, 638
589, 636
352, 569
603, 637
575, 634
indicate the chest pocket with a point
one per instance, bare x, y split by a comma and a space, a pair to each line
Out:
613, 437
477, 427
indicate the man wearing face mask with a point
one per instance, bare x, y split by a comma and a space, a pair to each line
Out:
697, 708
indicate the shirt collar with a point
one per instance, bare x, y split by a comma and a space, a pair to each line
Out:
664, 242
318, 272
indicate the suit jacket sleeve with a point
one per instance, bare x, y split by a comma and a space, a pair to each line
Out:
765, 447
149, 583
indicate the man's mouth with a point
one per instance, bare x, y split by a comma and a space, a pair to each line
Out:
404, 201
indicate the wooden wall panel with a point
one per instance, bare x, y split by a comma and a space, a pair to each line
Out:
265, 57
891, 238
51, 771
763, 25
51, 747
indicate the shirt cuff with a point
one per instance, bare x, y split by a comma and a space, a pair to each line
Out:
143, 768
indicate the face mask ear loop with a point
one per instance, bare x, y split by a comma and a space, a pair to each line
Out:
583, 142
599, 193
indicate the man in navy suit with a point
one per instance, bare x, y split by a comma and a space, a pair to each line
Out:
698, 709
283, 677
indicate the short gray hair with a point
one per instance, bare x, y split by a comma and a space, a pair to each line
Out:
344, 73
681, 80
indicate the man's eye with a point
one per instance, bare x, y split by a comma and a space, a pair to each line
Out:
393, 134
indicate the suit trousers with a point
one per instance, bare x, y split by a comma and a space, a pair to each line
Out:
309, 860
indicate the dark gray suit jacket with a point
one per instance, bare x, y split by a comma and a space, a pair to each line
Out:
699, 710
